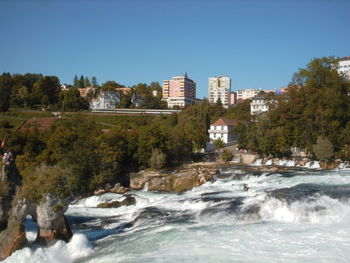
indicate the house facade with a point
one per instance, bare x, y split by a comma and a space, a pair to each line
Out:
223, 129
344, 66
258, 105
106, 100
244, 94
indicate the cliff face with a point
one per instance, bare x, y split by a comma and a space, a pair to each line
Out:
49, 214
10, 180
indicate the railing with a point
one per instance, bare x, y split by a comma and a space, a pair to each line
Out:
218, 131
137, 111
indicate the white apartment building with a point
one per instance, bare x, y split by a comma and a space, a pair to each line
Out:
258, 105
344, 66
106, 100
220, 88
244, 94
223, 129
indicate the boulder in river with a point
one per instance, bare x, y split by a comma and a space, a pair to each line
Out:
177, 181
129, 200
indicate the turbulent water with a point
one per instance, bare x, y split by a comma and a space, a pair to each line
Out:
286, 216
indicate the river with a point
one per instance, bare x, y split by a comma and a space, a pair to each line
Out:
285, 216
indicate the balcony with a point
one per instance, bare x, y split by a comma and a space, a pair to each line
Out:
218, 131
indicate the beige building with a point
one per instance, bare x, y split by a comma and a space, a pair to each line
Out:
219, 88
244, 94
179, 91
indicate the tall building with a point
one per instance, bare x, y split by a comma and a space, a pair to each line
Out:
219, 88
179, 91
233, 98
344, 66
244, 94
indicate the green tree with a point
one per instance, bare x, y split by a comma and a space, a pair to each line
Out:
81, 82
46, 91
226, 156
323, 148
87, 82
6, 83
72, 101
94, 82
76, 81
158, 159
218, 143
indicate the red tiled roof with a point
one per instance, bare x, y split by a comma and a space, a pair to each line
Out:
225, 122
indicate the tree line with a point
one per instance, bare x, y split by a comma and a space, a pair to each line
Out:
36, 91
87, 157
314, 116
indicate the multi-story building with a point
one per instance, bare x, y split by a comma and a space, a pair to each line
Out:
258, 105
233, 98
179, 91
223, 129
244, 94
219, 88
344, 66
106, 100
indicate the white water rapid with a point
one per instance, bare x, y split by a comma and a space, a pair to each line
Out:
286, 216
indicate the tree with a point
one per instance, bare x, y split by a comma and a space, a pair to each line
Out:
113, 151
81, 82
226, 156
6, 83
323, 148
70, 146
72, 101
76, 81
218, 143
94, 82
111, 86
46, 91
87, 82
158, 159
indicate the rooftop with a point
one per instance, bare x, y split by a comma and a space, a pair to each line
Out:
226, 122
345, 58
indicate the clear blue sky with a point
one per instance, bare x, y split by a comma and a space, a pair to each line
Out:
258, 43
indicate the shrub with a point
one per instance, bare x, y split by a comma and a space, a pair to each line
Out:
5, 124
158, 159
323, 149
226, 156
218, 143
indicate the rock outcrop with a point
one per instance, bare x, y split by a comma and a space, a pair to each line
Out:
9, 181
178, 181
49, 214
129, 200
52, 225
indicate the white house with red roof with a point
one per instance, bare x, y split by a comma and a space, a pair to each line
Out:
223, 129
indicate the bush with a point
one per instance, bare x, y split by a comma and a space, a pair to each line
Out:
226, 156
43, 180
5, 124
218, 143
323, 149
158, 159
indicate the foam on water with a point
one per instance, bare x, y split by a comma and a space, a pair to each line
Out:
216, 222
60, 252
